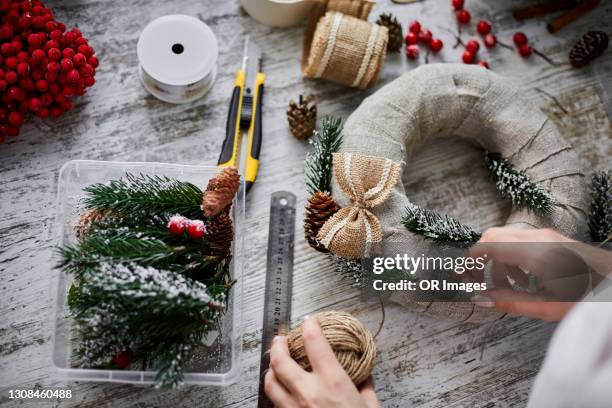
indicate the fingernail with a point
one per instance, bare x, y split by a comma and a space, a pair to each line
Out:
277, 339
482, 301
306, 317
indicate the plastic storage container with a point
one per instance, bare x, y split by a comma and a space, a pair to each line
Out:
217, 362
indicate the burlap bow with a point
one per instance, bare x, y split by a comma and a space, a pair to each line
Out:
367, 181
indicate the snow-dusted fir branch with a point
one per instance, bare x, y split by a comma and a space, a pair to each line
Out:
349, 268
600, 214
144, 194
439, 228
120, 305
318, 163
516, 185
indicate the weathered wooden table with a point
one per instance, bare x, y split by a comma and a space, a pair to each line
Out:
423, 361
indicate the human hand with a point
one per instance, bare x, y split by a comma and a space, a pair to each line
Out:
328, 385
512, 249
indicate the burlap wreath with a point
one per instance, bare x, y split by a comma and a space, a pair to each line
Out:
452, 100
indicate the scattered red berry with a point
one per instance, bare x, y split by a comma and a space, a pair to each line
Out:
525, 50
464, 16
472, 46
484, 64
196, 229
414, 27
411, 38
483, 27
412, 52
123, 359
490, 40
457, 4
436, 45
519, 39
468, 57
425, 37
176, 225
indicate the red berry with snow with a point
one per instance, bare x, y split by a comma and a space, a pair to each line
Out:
436, 45
490, 40
484, 64
411, 38
468, 57
483, 27
414, 27
177, 224
196, 229
457, 4
519, 39
472, 46
464, 16
425, 37
412, 51
525, 50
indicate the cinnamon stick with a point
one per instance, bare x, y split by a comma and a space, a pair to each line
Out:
572, 15
543, 8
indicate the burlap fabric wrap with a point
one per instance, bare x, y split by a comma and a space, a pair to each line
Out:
367, 181
455, 100
341, 46
352, 343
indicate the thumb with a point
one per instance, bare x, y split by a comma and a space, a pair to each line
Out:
368, 394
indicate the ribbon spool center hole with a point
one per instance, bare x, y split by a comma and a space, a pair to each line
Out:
178, 48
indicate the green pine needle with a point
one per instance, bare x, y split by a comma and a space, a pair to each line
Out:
516, 185
319, 162
443, 229
600, 214
350, 269
143, 194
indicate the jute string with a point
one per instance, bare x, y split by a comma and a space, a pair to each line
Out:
352, 343
341, 46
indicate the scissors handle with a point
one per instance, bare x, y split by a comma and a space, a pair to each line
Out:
231, 144
255, 136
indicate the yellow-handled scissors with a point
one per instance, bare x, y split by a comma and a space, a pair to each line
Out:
245, 113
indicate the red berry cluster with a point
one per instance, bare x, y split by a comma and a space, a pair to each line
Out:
416, 35
483, 27
178, 225
521, 42
42, 66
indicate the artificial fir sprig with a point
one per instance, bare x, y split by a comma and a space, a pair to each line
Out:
600, 214
319, 162
119, 305
139, 195
436, 227
349, 268
516, 185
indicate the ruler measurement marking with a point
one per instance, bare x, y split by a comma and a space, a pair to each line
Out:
279, 275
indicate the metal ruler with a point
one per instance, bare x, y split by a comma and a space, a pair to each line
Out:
279, 279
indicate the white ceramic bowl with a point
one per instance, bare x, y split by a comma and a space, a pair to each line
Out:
277, 13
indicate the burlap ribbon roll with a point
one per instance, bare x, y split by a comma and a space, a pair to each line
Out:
367, 181
346, 50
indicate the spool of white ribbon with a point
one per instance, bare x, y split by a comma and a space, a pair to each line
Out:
178, 58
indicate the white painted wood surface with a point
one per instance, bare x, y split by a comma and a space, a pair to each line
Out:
423, 362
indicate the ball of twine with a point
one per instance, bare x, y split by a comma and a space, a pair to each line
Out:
352, 343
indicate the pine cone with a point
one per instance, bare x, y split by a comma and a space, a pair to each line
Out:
396, 38
589, 47
321, 206
220, 233
84, 225
220, 191
302, 117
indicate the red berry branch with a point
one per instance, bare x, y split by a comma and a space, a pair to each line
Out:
42, 66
